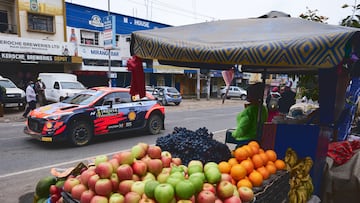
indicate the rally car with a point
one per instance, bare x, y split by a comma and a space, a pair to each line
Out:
93, 112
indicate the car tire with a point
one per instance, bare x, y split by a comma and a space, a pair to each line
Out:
243, 97
22, 108
80, 133
177, 103
164, 102
154, 124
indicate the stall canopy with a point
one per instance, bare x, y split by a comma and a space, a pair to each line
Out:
258, 44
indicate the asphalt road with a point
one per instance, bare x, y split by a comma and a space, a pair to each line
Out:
25, 160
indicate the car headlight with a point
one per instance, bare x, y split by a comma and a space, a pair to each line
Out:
22, 94
57, 116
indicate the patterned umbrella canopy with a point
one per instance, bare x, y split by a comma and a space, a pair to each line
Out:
274, 44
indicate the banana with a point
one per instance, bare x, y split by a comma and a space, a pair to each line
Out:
292, 196
302, 196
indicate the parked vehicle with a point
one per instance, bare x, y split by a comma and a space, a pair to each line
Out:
167, 95
234, 91
148, 88
15, 97
60, 85
93, 112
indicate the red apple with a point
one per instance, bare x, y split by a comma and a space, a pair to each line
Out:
209, 187
115, 163
155, 166
206, 196
138, 151
232, 199
86, 196
246, 194
144, 145
114, 181
132, 197
136, 177
103, 187
99, 199
84, 177
70, 183
166, 158
139, 167
92, 181
154, 152
54, 189
176, 161
146, 200
224, 189
227, 177
125, 186
116, 198
166, 154
124, 172
125, 157
104, 169
218, 200
77, 190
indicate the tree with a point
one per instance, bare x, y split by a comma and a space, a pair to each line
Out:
353, 19
312, 15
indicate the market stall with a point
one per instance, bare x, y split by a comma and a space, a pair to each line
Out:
269, 45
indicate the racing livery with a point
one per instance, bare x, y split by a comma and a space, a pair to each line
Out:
92, 112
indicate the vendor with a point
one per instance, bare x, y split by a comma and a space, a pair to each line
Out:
247, 119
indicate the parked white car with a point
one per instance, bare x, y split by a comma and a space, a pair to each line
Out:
15, 97
234, 91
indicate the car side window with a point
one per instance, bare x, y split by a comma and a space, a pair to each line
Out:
56, 85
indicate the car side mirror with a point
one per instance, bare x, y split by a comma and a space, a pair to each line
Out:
161, 93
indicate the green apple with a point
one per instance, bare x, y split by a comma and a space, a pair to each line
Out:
179, 175
195, 162
100, 159
176, 169
194, 169
197, 183
210, 165
200, 175
164, 193
184, 189
173, 180
213, 175
150, 188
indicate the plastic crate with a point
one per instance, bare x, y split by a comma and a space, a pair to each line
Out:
274, 189
67, 198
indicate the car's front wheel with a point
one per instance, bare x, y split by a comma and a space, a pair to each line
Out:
80, 133
243, 97
154, 124
177, 103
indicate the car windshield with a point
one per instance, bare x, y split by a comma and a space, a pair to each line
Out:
83, 98
72, 85
7, 84
172, 90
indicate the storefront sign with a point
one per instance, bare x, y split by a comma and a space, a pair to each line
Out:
33, 57
26, 45
109, 32
99, 53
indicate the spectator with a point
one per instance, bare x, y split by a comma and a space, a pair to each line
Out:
272, 103
287, 99
2, 96
247, 120
40, 91
30, 98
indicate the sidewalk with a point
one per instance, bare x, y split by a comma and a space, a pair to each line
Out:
15, 115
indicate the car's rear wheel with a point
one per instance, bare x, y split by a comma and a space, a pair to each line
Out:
177, 103
164, 102
22, 107
80, 133
154, 124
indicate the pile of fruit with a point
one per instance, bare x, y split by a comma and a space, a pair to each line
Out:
301, 186
194, 145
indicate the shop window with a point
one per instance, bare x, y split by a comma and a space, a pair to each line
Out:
41, 23
3, 21
89, 38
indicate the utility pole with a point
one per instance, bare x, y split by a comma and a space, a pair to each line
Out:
109, 74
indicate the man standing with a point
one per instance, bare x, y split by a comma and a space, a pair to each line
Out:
2, 96
30, 98
40, 91
287, 99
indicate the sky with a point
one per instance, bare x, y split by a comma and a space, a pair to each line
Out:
183, 12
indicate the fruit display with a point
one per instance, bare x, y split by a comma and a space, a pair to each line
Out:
194, 145
301, 186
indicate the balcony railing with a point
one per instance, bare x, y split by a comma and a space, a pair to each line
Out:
8, 28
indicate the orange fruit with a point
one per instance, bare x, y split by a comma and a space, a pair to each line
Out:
224, 167
257, 161
241, 154
248, 165
254, 149
244, 182
261, 150
264, 157
254, 143
238, 172
270, 162
280, 164
232, 161
256, 178
249, 150
271, 168
264, 172
271, 155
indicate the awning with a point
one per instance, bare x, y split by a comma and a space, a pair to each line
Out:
259, 44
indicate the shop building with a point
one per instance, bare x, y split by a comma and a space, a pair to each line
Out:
33, 40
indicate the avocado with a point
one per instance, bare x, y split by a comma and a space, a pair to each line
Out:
42, 187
